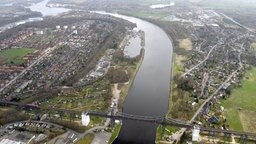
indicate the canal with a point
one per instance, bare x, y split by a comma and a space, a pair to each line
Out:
149, 93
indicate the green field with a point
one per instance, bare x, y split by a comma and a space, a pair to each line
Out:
15, 55
241, 105
114, 133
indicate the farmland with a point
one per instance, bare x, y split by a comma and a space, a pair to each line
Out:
241, 105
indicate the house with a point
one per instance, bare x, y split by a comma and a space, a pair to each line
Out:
213, 120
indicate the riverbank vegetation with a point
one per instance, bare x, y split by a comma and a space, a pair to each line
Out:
163, 133
181, 94
128, 67
124, 69
115, 133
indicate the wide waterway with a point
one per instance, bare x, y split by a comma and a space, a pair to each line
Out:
149, 92
47, 11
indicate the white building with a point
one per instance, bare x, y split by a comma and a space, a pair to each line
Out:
57, 27
65, 27
195, 133
85, 119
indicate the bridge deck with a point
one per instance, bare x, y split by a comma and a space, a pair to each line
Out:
162, 120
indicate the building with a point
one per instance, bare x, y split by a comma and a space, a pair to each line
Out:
196, 134
7, 141
85, 119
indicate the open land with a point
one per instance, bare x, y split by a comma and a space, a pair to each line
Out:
15, 56
240, 106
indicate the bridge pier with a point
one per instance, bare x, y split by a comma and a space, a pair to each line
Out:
112, 120
243, 139
227, 136
212, 135
163, 131
71, 116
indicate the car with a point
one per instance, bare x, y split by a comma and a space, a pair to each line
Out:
43, 125
21, 125
10, 127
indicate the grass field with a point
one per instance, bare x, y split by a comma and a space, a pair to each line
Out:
253, 46
241, 105
87, 139
178, 64
186, 44
15, 55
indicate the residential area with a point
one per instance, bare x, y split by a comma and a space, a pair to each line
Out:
127, 72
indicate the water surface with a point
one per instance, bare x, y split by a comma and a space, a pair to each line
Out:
149, 93
47, 11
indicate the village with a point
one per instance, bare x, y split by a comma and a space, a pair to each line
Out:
211, 58
47, 50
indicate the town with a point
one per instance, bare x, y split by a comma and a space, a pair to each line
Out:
56, 69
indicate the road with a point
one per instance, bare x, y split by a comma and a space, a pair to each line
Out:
209, 53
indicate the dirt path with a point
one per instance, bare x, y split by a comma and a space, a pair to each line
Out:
115, 91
